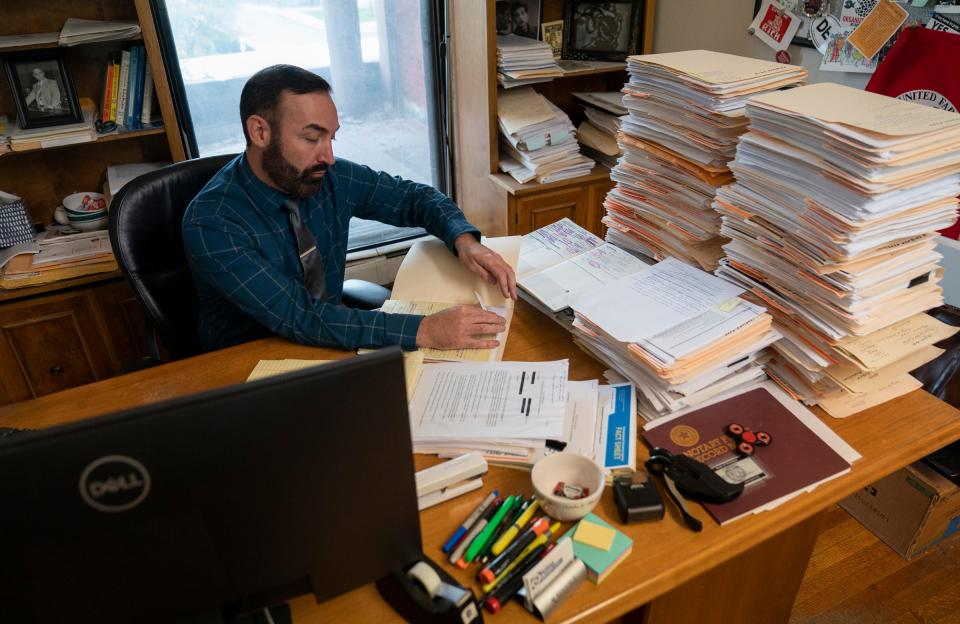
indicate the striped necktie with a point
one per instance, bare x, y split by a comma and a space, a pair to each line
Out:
314, 275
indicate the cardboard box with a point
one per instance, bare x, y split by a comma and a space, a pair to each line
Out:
910, 510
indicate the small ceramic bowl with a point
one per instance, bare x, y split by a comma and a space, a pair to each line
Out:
572, 469
85, 202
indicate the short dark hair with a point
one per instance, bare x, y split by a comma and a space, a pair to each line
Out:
262, 92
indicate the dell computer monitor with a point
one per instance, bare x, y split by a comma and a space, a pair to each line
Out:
212, 504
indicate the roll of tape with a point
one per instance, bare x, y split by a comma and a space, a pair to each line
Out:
422, 573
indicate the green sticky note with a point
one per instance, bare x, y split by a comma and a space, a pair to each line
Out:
729, 304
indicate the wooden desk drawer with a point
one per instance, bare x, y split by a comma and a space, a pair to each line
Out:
535, 211
52, 343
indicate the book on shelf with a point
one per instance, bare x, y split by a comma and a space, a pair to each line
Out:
124, 82
803, 453
115, 90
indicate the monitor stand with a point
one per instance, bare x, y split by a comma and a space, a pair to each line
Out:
277, 614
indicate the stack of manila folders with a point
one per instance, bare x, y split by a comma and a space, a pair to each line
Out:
597, 134
686, 113
537, 140
833, 217
522, 61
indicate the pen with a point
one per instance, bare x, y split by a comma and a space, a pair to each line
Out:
451, 543
456, 557
525, 514
505, 591
481, 540
500, 563
540, 540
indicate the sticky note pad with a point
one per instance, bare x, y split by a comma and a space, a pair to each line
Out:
594, 535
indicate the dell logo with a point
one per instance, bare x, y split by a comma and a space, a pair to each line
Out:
114, 483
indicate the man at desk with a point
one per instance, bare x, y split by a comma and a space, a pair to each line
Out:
266, 237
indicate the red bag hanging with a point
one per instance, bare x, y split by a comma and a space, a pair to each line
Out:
923, 66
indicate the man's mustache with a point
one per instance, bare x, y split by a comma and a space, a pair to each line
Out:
321, 168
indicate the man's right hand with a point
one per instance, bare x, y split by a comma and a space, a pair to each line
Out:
458, 327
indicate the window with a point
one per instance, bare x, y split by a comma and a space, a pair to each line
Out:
378, 55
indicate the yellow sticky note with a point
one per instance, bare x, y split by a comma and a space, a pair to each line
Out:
595, 535
729, 304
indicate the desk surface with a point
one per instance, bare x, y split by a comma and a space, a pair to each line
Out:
665, 554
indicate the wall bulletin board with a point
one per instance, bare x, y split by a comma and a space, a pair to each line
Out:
809, 10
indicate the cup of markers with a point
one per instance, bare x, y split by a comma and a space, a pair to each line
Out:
506, 537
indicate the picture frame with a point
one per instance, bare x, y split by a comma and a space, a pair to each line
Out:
42, 88
519, 17
603, 31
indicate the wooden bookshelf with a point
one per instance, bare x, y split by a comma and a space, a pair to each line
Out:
495, 202
63, 334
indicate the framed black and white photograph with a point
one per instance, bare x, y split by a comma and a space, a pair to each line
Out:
519, 17
603, 31
42, 88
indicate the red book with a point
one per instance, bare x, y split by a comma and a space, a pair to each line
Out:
107, 93
795, 459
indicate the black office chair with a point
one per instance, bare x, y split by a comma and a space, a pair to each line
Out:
145, 219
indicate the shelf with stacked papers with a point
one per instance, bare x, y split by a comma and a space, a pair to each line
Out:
62, 285
37, 41
104, 138
572, 69
598, 173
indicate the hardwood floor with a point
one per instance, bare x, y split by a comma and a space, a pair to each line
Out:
854, 578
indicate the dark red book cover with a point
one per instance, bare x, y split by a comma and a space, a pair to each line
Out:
796, 458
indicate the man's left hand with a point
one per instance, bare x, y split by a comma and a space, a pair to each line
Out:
486, 263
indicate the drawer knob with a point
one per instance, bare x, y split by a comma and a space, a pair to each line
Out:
56, 370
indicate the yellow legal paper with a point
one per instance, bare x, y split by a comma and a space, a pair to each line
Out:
877, 28
269, 368
886, 346
849, 403
427, 308
848, 375
594, 535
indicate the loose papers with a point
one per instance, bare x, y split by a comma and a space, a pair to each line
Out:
491, 401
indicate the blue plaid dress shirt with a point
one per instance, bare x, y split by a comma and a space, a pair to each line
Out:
243, 255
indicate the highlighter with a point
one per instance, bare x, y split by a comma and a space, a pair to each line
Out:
499, 564
481, 540
541, 540
504, 540
456, 557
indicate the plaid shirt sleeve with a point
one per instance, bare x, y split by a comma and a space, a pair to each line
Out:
222, 253
381, 197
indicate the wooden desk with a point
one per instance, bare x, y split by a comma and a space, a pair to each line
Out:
747, 571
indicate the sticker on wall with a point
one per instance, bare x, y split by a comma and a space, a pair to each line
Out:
875, 31
821, 29
775, 25
855, 11
840, 56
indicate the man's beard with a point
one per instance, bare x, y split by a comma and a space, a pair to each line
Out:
291, 180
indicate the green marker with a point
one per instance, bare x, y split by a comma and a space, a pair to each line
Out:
488, 530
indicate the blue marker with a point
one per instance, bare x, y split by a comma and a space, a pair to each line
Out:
451, 543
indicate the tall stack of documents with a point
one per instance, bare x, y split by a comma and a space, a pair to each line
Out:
597, 134
537, 139
521, 61
832, 220
686, 113
679, 334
